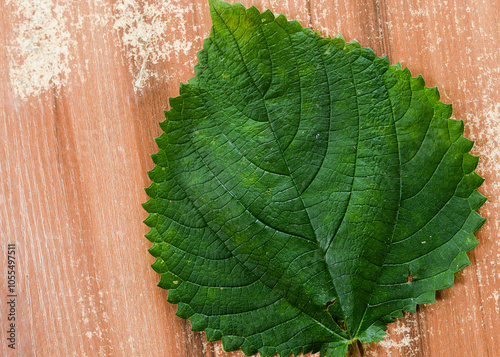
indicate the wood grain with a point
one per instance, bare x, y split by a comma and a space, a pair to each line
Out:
83, 88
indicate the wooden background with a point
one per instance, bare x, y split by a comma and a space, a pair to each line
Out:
83, 87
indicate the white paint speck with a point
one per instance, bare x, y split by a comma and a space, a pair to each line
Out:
150, 33
41, 51
399, 339
48, 33
495, 296
487, 126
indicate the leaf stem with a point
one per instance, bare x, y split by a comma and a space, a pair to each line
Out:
357, 349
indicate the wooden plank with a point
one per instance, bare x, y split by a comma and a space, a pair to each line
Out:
84, 87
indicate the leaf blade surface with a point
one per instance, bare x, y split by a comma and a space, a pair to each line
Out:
299, 181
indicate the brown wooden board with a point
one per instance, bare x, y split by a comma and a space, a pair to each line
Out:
83, 87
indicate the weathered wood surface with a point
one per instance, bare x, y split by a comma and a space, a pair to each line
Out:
83, 88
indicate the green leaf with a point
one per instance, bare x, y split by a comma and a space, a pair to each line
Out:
305, 192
